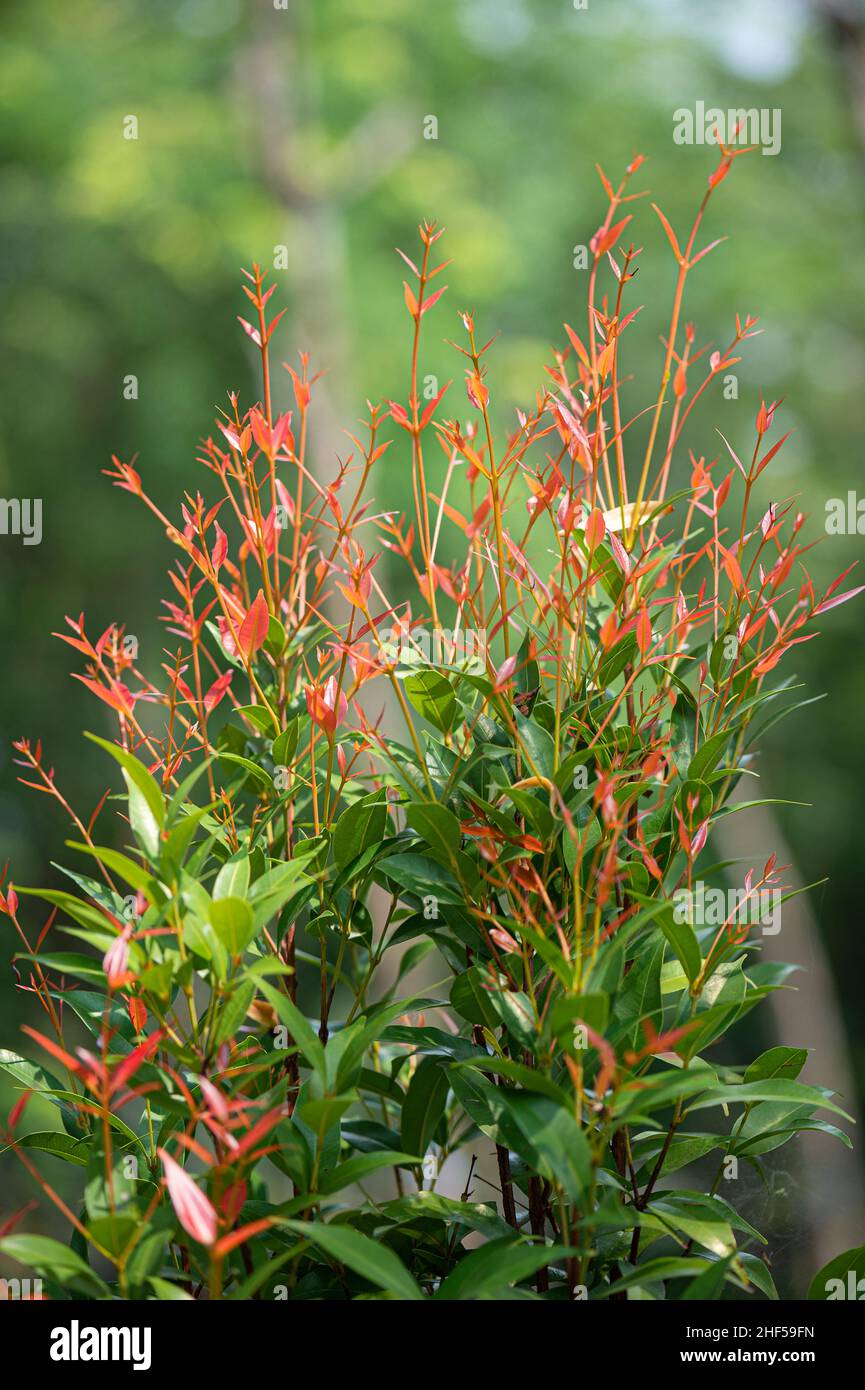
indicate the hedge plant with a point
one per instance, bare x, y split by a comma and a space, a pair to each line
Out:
385, 968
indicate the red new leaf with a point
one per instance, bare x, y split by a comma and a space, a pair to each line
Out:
644, 630
217, 690
253, 629
603, 240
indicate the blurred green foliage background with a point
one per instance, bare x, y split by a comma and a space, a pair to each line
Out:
261, 126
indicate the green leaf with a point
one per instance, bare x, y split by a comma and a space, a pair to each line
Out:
131, 873
72, 1098
781, 1062
412, 958
366, 1257
434, 1042
556, 1144
424, 877
708, 1285
96, 890
361, 825
424, 1105
250, 1286
639, 997
661, 1088
706, 758
483, 1102
437, 825
260, 715
346, 1049
168, 1291
527, 1077
695, 801
146, 802
285, 744
655, 1271
569, 1010
232, 880
54, 1261
682, 729
757, 1273
684, 943
151, 1249
753, 1091
31, 1075
269, 893
69, 963
84, 913
685, 1149
322, 1113
57, 1144
527, 676
113, 1233
698, 1220
840, 1278
537, 745
515, 1011
310, 1046
258, 774
471, 999
233, 1011
178, 805
771, 1124
360, 1166
433, 698
426, 1206
179, 838
496, 1266
233, 921
617, 659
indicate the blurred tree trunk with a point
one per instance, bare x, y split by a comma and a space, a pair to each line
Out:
836, 1202
845, 22
807, 1015
279, 85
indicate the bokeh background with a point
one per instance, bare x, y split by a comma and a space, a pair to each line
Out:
302, 126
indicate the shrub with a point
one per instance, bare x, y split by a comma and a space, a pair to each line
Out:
261, 1106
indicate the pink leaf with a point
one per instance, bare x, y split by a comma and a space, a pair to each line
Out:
596, 528
433, 299
603, 240
194, 1211
731, 565
623, 560
130, 1064
504, 673
699, 839
644, 630
838, 598
251, 332
217, 690
253, 629
671, 235
220, 547
116, 958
